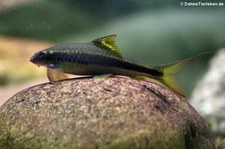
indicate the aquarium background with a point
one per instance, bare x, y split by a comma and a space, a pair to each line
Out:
155, 32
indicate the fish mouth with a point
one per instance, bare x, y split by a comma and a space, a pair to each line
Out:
33, 61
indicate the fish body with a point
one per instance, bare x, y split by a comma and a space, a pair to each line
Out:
88, 59
102, 56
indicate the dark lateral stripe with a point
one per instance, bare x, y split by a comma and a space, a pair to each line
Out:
105, 61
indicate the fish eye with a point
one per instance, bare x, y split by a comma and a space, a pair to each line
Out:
41, 54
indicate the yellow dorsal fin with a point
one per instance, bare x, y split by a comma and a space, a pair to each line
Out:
108, 42
55, 75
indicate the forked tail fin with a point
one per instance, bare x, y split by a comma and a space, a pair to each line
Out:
169, 70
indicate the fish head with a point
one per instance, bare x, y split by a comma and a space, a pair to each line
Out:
40, 58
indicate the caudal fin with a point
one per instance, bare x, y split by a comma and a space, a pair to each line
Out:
168, 71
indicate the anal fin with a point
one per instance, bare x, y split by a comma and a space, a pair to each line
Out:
102, 77
55, 75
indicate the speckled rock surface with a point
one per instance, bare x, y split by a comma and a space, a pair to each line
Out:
117, 113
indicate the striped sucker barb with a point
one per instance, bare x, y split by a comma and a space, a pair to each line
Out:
99, 57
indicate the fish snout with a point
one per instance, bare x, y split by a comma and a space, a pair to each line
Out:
35, 60
32, 59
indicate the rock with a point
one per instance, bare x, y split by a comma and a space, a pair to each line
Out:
221, 145
208, 97
117, 113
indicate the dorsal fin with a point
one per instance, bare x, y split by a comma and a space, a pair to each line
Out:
108, 42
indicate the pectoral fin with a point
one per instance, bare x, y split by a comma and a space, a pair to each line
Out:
55, 75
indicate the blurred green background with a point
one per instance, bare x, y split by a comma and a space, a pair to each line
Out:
155, 32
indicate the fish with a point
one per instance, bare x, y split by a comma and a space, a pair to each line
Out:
102, 56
